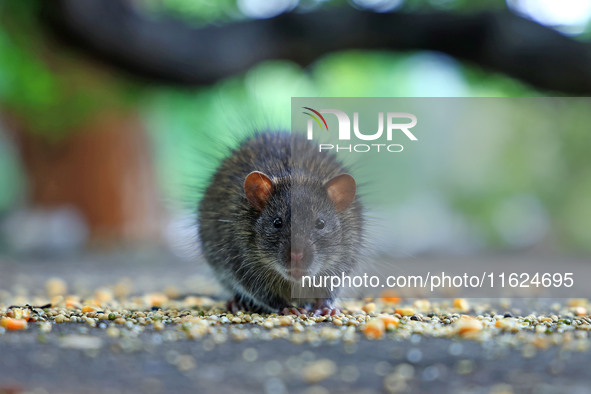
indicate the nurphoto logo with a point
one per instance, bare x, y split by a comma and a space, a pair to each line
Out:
395, 122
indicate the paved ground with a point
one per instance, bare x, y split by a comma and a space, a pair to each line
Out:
431, 364
154, 361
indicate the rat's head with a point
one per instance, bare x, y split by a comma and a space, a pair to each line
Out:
298, 228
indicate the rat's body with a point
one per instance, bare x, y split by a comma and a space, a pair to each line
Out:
268, 217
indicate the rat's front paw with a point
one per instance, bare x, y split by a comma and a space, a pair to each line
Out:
326, 307
234, 305
292, 310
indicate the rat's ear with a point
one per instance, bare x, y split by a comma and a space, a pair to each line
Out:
257, 188
341, 191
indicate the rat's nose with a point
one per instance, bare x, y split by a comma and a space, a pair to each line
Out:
297, 257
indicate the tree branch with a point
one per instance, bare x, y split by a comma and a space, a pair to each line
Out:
171, 52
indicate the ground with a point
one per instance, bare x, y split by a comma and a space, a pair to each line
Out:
150, 322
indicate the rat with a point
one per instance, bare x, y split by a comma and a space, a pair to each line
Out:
278, 209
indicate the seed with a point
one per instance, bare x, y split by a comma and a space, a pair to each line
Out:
422, 305
580, 311
89, 308
82, 342
186, 363
390, 297
57, 301
156, 299
113, 332
268, 324
11, 324
461, 305
405, 311
467, 326
72, 303
103, 295
56, 287
172, 292
369, 308
390, 322
318, 371
374, 329
508, 324
123, 288
574, 302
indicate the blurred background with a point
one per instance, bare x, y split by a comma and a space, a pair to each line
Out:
97, 155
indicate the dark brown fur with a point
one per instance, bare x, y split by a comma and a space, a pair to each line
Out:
240, 242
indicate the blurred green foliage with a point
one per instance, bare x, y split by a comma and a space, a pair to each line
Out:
41, 81
193, 12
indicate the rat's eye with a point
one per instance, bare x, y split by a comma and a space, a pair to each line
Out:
277, 223
320, 224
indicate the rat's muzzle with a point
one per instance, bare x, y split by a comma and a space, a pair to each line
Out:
298, 260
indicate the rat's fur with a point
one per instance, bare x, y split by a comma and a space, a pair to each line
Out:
249, 255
